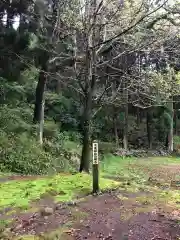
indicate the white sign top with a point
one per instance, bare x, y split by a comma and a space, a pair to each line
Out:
95, 153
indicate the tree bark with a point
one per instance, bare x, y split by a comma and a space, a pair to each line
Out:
41, 124
125, 132
89, 85
171, 109
40, 101
149, 127
116, 129
86, 128
175, 122
10, 15
115, 115
87, 115
138, 117
170, 134
40, 95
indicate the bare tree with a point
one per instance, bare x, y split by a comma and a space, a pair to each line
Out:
104, 34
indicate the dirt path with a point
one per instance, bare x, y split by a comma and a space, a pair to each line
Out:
107, 217
114, 219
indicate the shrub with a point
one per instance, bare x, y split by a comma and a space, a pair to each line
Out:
106, 147
66, 157
69, 136
22, 154
20, 151
51, 130
15, 120
177, 143
74, 136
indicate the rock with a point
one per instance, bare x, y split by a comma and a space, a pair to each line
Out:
71, 203
47, 211
19, 226
7, 231
58, 206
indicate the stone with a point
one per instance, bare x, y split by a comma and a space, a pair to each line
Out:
47, 211
71, 203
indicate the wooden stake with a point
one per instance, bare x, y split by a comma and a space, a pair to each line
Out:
95, 167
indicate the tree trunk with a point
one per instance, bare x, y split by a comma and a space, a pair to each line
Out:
10, 16
116, 129
87, 115
89, 84
85, 156
125, 131
22, 23
86, 128
39, 102
175, 122
39, 95
115, 115
149, 128
41, 124
138, 117
170, 134
167, 141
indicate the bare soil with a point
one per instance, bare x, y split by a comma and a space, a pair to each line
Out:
102, 217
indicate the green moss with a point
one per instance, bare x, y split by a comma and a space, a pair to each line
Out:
121, 197
26, 237
145, 200
21, 193
161, 197
171, 197
11, 212
4, 223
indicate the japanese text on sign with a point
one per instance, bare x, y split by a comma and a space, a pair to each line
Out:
95, 153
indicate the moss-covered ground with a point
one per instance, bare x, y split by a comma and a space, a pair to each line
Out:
61, 187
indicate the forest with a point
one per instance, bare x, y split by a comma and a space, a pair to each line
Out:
76, 71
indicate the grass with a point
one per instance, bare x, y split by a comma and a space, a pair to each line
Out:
64, 187
28, 237
131, 173
138, 170
122, 168
71, 146
4, 223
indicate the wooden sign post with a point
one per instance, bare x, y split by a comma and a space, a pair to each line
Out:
95, 167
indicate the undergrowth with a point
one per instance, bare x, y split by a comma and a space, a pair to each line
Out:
62, 187
20, 151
